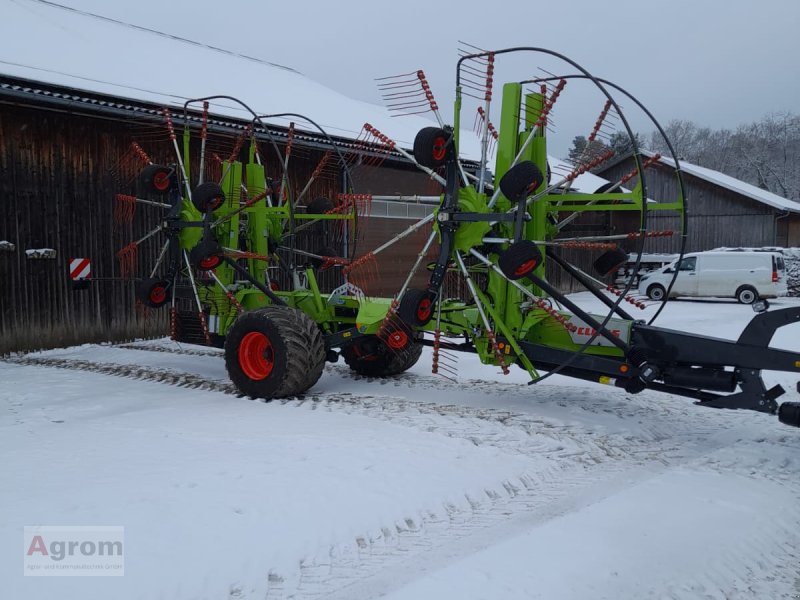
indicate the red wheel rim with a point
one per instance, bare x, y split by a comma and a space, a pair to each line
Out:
214, 203
158, 294
161, 181
397, 340
424, 309
273, 285
439, 148
256, 356
212, 262
526, 267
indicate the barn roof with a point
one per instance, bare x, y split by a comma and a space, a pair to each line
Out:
47, 43
735, 185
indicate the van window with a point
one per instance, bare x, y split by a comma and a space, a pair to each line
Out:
688, 264
777, 263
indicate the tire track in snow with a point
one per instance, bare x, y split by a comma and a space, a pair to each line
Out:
761, 566
362, 568
509, 431
152, 374
647, 407
157, 347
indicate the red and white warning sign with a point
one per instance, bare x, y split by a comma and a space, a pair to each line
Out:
80, 269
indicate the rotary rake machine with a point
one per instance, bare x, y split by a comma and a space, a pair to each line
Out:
498, 241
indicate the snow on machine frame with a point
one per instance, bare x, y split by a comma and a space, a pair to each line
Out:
487, 291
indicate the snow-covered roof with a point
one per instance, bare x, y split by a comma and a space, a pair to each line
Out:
62, 47
733, 184
586, 183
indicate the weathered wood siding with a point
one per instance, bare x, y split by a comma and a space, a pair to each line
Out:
59, 174
716, 216
58, 177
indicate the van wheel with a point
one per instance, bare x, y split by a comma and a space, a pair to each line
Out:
656, 292
746, 294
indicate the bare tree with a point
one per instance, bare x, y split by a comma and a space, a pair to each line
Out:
765, 153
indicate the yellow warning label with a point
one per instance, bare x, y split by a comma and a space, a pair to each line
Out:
797, 364
347, 334
605, 380
508, 348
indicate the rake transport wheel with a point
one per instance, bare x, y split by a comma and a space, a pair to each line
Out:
155, 178
208, 196
520, 259
153, 292
430, 147
274, 352
371, 357
416, 307
206, 256
520, 180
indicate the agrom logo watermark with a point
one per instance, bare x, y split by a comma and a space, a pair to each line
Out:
74, 551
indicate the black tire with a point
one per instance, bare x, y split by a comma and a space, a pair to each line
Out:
319, 206
789, 413
521, 259
430, 147
747, 294
656, 292
208, 196
610, 260
153, 292
521, 180
416, 307
371, 357
156, 179
206, 256
292, 361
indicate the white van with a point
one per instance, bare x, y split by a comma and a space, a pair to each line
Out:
746, 276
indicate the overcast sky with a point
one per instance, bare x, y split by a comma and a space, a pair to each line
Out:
718, 63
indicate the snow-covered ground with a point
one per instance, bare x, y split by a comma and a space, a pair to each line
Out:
413, 487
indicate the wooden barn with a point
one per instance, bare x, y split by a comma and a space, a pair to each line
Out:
722, 211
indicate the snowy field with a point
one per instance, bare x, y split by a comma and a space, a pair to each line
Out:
410, 488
